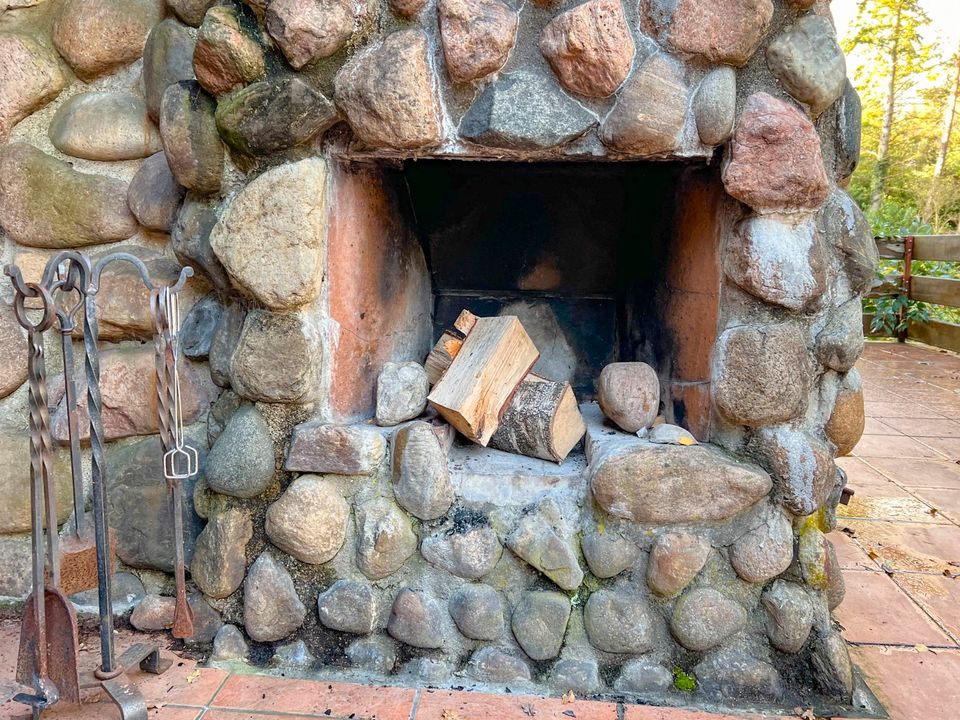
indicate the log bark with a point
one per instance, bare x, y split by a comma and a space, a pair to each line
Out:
448, 346
542, 420
495, 357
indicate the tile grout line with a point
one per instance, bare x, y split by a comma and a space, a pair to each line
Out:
416, 704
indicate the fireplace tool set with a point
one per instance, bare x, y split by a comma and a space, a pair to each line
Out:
49, 644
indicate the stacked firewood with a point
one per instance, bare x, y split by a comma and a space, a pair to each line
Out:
480, 370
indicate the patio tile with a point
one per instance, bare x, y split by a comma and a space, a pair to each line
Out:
880, 506
895, 409
925, 427
875, 610
946, 500
182, 684
939, 595
912, 685
871, 446
244, 715
875, 426
646, 712
282, 695
919, 473
478, 706
867, 480
915, 547
851, 555
948, 447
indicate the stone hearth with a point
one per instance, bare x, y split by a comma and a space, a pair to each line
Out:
658, 181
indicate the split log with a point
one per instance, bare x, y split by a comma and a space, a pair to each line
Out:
494, 358
542, 420
448, 346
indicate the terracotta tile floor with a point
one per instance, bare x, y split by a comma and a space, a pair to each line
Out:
898, 543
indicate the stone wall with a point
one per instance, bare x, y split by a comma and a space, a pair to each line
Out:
253, 141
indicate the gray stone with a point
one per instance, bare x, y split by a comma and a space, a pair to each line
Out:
539, 623
241, 463
349, 606
470, 554
650, 112
644, 677
223, 344
30, 77
45, 203
190, 238
789, 615
196, 332
190, 11
153, 613
808, 62
840, 342
617, 621
309, 521
97, 36
190, 139
578, 676
388, 93
761, 374
271, 608
78, 127
844, 224
338, 449
669, 484
220, 413
543, 540
832, 668
732, 673
13, 351
524, 111
704, 618
780, 262
307, 30
384, 539
125, 589
376, 654
847, 141
715, 105
765, 551
477, 611
138, 505
421, 483
491, 665
675, 560
401, 392
608, 553
227, 55
270, 116
427, 671
220, 559
229, 644
259, 371
15, 575
167, 59
206, 620
629, 394
802, 466
416, 619
292, 655
154, 195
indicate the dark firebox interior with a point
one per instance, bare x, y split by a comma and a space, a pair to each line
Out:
576, 250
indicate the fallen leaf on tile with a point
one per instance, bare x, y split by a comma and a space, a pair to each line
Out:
568, 698
193, 677
451, 715
920, 647
528, 710
933, 512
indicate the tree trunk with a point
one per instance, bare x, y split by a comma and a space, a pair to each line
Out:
948, 115
883, 150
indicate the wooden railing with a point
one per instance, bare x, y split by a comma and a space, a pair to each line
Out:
933, 290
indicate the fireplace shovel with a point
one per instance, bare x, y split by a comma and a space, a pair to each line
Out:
47, 660
78, 552
180, 461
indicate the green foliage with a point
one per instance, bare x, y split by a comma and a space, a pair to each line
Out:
893, 314
683, 681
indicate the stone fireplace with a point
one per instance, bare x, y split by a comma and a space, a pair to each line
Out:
658, 183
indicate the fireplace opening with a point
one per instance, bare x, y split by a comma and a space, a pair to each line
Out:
602, 262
